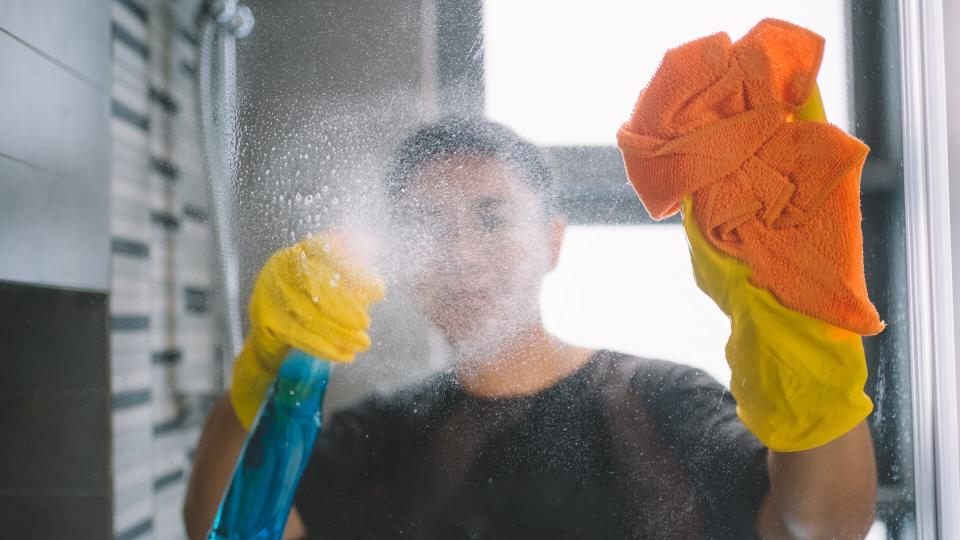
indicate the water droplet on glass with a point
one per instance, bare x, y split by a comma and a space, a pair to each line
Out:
326, 189
308, 199
316, 299
333, 283
326, 247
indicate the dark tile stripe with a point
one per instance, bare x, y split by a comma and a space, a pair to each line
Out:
137, 530
188, 35
198, 300
168, 356
128, 323
120, 34
134, 118
168, 426
165, 168
164, 100
126, 400
167, 479
130, 248
138, 11
188, 69
195, 212
165, 220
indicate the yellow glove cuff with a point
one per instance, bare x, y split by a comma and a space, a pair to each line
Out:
798, 381
249, 385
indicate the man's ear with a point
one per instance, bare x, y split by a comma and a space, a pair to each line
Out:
557, 227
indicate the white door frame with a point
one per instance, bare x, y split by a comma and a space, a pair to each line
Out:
929, 274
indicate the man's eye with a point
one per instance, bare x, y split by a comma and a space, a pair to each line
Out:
491, 223
436, 229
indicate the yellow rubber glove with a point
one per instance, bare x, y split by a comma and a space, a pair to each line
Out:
798, 381
310, 296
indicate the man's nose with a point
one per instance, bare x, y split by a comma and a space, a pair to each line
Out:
466, 253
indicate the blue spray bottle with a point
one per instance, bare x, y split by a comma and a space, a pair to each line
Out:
260, 494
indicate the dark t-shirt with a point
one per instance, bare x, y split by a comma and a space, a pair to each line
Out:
622, 448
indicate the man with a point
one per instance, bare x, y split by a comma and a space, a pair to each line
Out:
524, 436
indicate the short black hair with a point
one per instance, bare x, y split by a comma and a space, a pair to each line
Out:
470, 136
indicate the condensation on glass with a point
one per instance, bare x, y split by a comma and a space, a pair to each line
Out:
327, 92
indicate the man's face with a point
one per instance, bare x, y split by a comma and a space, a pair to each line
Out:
478, 245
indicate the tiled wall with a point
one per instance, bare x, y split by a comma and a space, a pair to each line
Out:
162, 341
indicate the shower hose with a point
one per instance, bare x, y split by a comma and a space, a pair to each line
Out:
258, 498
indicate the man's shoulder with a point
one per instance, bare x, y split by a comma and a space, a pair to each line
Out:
649, 373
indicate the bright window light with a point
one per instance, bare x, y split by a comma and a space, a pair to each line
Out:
631, 289
568, 73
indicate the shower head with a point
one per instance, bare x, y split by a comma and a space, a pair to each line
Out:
242, 22
235, 19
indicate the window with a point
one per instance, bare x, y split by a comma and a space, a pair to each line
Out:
568, 73
631, 288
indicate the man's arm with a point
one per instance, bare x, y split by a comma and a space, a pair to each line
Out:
213, 464
827, 492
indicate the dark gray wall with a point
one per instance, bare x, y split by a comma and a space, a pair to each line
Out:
55, 398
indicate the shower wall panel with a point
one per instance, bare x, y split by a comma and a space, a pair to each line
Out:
164, 372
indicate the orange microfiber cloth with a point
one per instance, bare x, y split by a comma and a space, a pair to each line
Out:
782, 196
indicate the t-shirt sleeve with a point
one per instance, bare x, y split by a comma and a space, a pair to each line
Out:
697, 420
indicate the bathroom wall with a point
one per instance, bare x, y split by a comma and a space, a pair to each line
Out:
109, 357
54, 275
163, 372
